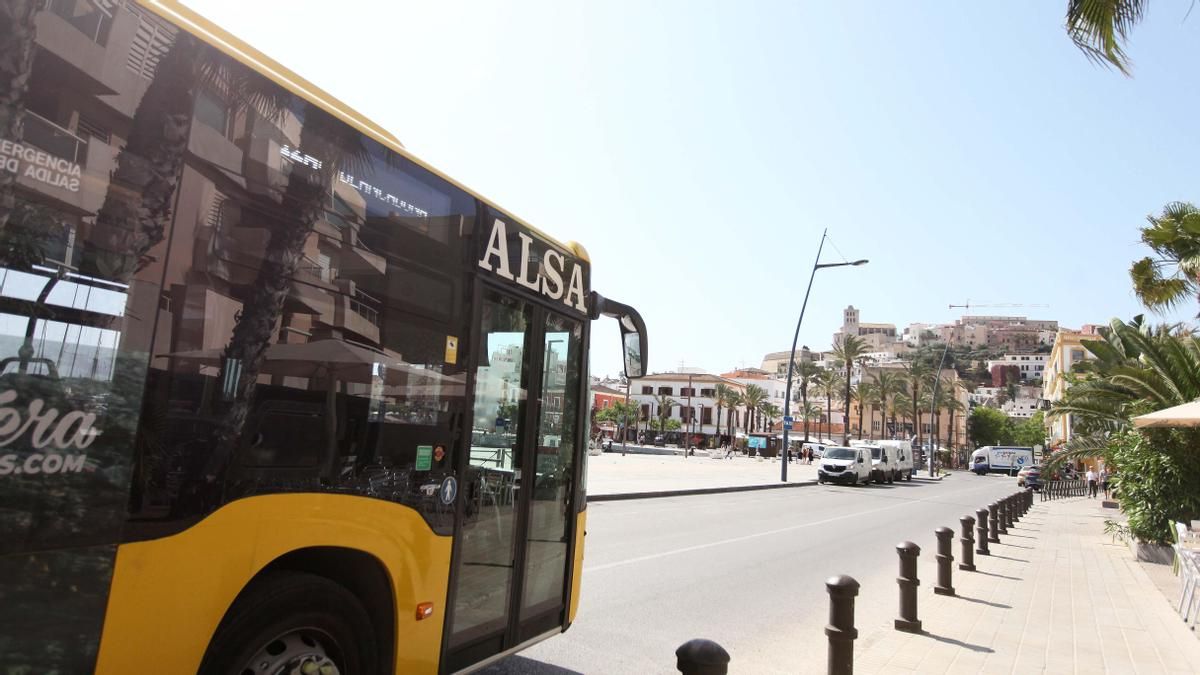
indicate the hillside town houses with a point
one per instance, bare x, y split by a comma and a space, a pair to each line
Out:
1027, 363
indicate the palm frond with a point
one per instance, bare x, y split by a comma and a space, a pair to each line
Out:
1101, 28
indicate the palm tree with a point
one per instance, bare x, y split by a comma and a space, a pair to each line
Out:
1100, 28
734, 400
826, 384
901, 409
848, 350
132, 219
722, 399
806, 370
916, 372
303, 205
1174, 236
771, 412
864, 393
810, 412
664, 402
752, 399
887, 385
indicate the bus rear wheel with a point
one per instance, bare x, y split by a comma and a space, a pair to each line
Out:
291, 619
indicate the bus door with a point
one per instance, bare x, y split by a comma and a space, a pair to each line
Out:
508, 583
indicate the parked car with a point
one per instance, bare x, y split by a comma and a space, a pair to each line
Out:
1030, 477
845, 465
660, 441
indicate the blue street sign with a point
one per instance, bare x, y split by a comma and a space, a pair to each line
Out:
788, 419
787, 425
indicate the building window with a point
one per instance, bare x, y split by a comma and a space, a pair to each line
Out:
665, 391
648, 390
706, 415
211, 111
645, 410
685, 414
687, 391
709, 393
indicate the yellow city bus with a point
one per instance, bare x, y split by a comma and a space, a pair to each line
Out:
275, 396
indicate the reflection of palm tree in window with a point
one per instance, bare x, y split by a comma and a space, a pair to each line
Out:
137, 206
303, 204
16, 66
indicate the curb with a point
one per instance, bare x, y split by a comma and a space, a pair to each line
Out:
694, 491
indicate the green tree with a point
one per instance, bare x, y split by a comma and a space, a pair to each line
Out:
1030, 432
887, 385
1173, 275
848, 350
988, 426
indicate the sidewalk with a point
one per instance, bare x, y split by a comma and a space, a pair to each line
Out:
611, 474
1056, 596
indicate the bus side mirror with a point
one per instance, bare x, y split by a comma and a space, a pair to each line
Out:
633, 331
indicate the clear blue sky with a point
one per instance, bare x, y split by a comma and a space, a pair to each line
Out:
697, 149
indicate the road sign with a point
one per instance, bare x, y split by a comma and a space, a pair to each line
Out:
787, 425
788, 419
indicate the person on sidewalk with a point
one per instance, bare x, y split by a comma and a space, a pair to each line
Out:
1091, 483
729, 451
1104, 481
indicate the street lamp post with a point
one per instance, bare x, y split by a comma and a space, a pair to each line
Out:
787, 399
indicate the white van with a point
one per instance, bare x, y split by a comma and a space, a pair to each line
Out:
1001, 459
883, 461
845, 465
904, 458
818, 449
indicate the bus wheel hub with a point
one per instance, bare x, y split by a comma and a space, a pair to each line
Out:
295, 653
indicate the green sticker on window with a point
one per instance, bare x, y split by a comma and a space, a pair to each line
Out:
424, 457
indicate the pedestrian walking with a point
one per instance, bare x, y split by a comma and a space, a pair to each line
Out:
729, 451
1091, 482
1104, 481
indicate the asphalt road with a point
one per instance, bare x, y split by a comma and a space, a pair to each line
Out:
747, 570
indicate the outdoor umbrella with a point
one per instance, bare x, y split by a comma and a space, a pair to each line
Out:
1186, 415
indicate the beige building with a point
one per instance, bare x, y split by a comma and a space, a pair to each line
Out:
1068, 351
877, 336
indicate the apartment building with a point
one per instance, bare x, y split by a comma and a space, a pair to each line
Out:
1068, 351
691, 397
1027, 366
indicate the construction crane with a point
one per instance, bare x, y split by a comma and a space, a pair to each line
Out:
1005, 305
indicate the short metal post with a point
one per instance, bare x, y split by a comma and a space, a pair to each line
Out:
967, 540
994, 524
702, 657
1006, 514
1014, 509
841, 631
908, 581
945, 561
981, 530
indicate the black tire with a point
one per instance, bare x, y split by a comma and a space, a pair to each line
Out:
285, 603
891, 478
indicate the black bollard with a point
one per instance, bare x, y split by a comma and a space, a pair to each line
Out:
702, 657
1005, 515
945, 561
1015, 504
967, 540
981, 526
994, 523
840, 630
908, 581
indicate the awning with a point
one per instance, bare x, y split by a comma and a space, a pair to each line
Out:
1186, 415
